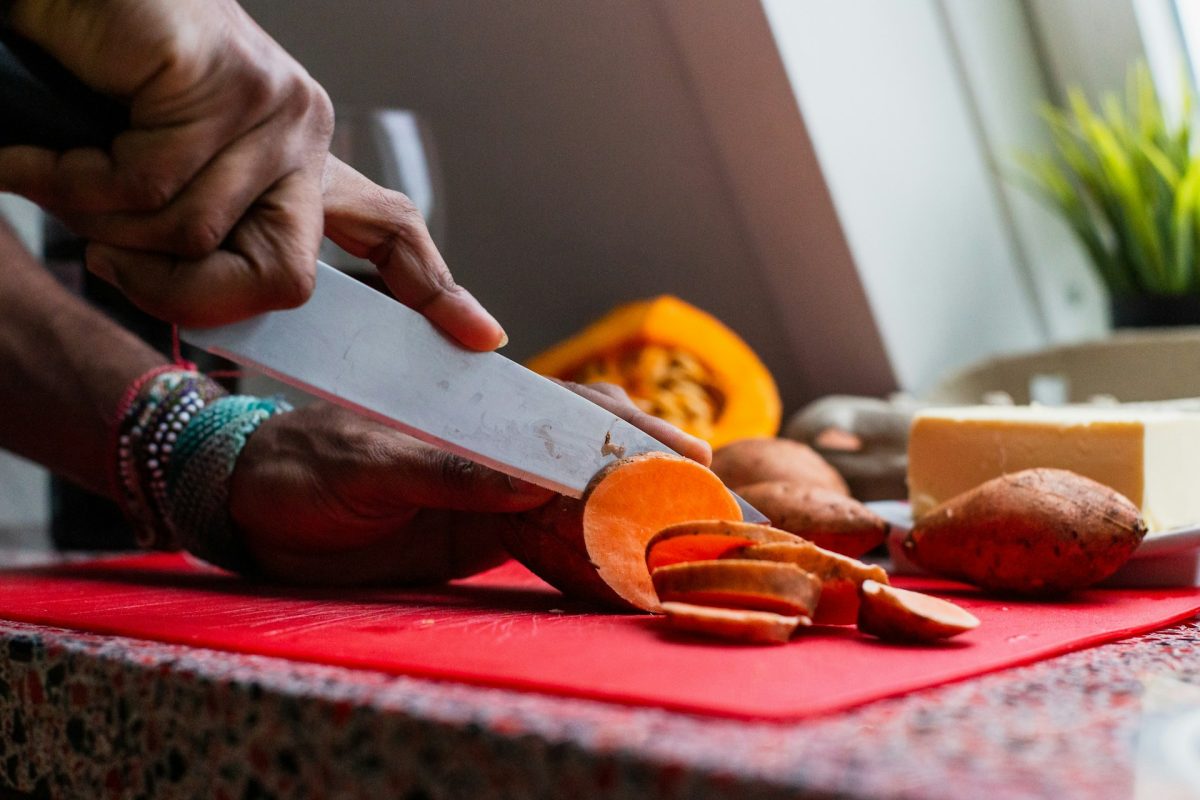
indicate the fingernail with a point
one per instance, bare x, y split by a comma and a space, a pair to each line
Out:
503, 340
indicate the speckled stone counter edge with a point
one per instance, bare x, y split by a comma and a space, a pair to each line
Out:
92, 716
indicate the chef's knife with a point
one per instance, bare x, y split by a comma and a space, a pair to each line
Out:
354, 346
361, 349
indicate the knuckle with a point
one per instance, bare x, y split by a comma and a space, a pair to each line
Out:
198, 236
292, 285
150, 188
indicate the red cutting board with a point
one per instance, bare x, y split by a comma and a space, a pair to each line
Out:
506, 628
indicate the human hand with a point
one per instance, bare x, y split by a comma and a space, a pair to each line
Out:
208, 208
384, 227
323, 495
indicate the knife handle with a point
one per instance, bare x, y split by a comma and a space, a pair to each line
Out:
45, 105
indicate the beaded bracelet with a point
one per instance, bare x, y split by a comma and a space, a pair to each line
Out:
178, 437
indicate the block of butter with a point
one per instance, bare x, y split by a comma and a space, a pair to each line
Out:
1150, 455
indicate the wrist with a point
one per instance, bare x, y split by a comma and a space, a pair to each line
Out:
177, 438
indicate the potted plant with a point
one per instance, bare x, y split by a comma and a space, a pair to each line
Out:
1126, 181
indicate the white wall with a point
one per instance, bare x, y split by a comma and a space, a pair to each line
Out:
916, 109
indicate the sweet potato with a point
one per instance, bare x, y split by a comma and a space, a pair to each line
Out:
748, 461
757, 627
1038, 531
904, 615
595, 548
840, 576
825, 517
701, 540
735, 583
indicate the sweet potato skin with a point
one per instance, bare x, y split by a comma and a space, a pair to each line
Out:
748, 461
745, 584
548, 541
828, 518
739, 625
906, 616
840, 576
1035, 532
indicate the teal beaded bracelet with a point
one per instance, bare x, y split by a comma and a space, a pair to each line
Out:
178, 438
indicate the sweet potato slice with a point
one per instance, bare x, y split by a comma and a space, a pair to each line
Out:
903, 615
758, 627
840, 575
826, 517
595, 548
702, 540
738, 583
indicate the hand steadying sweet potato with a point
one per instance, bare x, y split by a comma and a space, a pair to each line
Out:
825, 517
595, 548
748, 461
1038, 531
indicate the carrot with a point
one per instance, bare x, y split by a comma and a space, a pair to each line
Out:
903, 615
701, 540
759, 627
735, 583
595, 548
840, 575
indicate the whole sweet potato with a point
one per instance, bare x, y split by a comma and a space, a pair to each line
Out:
825, 517
1038, 531
748, 461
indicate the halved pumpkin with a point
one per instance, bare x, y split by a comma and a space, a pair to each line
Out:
676, 362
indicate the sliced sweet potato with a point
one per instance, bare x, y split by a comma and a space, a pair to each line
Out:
759, 627
903, 615
701, 540
739, 583
840, 575
825, 517
748, 461
595, 548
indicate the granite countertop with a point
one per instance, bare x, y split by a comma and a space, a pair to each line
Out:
84, 715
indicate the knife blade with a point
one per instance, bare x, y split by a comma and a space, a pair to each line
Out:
361, 349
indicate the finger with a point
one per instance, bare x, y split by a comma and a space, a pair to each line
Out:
383, 226
616, 400
144, 171
269, 263
406, 473
198, 220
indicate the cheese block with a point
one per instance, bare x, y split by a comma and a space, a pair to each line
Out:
1152, 456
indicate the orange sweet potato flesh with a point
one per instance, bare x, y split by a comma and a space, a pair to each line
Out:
702, 540
595, 548
733, 624
737, 583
